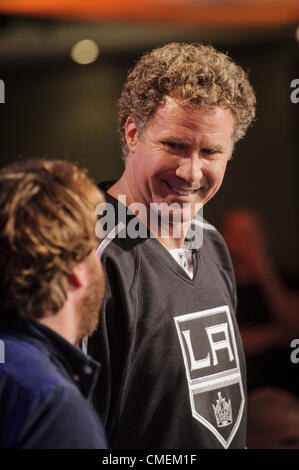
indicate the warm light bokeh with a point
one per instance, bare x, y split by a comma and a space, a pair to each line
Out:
180, 12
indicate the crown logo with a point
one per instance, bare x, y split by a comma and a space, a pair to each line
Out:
223, 411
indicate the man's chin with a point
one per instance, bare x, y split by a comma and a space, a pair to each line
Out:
175, 225
181, 216
89, 326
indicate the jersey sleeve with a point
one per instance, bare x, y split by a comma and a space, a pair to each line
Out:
221, 256
111, 343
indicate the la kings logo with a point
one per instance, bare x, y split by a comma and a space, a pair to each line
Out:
208, 343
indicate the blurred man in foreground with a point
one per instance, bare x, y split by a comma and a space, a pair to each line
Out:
52, 286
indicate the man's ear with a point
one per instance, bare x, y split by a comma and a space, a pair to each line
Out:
75, 278
131, 133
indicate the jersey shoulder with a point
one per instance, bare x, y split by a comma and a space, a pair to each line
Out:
215, 244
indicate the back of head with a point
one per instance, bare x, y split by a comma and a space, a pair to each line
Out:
195, 73
47, 226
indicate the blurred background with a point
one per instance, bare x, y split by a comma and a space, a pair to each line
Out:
56, 106
63, 64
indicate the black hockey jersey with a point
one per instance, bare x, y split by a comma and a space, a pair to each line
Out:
173, 371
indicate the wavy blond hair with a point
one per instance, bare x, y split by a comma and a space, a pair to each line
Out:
195, 73
47, 225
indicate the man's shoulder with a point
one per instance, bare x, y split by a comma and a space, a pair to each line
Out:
215, 245
40, 407
29, 367
115, 241
52, 416
212, 235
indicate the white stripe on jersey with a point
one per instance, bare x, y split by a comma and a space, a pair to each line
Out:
110, 237
203, 224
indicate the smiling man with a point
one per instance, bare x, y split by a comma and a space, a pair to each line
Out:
180, 160
173, 361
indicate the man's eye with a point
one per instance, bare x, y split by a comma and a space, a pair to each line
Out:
208, 151
212, 153
178, 146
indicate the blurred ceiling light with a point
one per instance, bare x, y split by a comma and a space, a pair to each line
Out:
297, 33
85, 51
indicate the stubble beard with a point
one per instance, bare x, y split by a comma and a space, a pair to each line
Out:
89, 306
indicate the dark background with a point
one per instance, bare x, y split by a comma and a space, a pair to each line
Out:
55, 107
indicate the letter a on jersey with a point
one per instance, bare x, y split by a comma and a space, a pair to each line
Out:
208, 343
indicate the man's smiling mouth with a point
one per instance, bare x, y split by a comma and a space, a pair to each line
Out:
181, 191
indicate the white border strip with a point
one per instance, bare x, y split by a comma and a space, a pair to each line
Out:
202, 224
110, 237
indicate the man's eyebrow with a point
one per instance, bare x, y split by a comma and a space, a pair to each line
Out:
174, 139
216, 147
184, 140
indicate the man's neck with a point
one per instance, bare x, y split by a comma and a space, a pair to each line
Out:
171, 243
63, 322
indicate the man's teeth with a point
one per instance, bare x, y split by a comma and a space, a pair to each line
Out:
182, 192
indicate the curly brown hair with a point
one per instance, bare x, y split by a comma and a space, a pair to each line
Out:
47, 226
195, 73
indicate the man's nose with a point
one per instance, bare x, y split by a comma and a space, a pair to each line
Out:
190, 169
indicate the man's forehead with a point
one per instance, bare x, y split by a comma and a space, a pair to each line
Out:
173, 104
187, 109
181, 116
